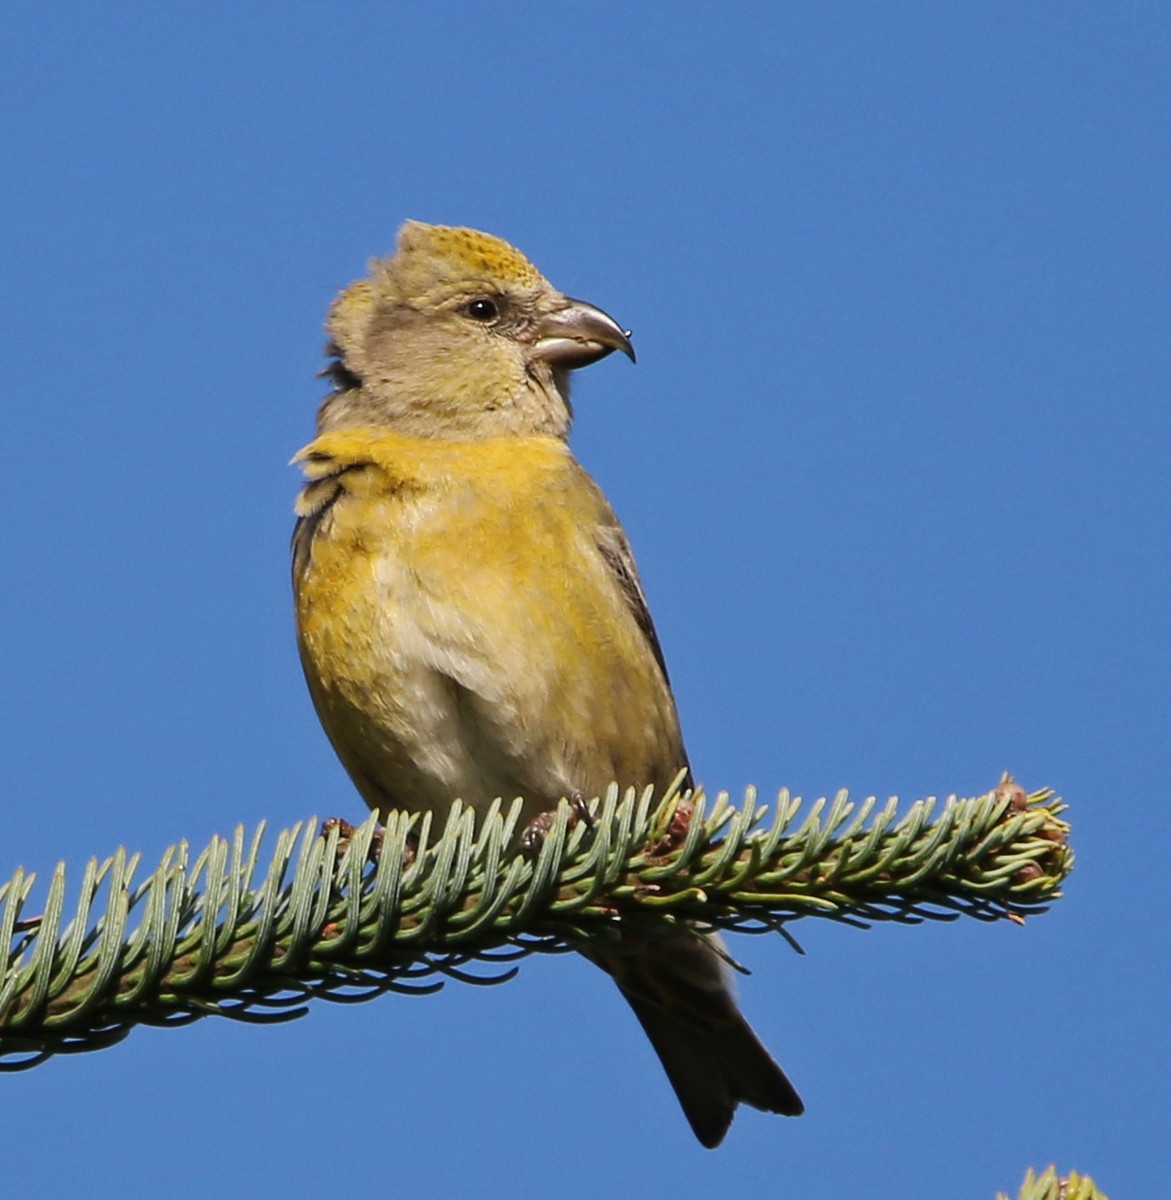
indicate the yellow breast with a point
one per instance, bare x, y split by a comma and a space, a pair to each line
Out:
461, 630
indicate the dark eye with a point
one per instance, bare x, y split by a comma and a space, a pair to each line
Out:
482, 308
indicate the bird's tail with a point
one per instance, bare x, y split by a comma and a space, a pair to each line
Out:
681, 991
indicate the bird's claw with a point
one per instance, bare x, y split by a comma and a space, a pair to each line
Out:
538, 828
535, 834
346, 833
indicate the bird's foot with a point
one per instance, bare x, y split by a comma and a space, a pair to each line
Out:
346, 833
345, 830
538, 828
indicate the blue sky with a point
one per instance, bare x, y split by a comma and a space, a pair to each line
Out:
894, 461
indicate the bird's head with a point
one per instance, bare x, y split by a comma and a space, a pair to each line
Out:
457, 335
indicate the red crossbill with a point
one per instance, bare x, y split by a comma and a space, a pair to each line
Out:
469, 615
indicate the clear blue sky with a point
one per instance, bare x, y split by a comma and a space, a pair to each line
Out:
894, 461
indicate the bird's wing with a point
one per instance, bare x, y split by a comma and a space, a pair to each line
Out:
614, 547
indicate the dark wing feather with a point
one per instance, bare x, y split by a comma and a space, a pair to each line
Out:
614, 547
616, 551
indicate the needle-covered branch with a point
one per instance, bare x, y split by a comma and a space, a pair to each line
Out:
346, 914
1051, 1186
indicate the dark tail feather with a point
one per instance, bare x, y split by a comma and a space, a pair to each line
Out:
714, 1072
682, 997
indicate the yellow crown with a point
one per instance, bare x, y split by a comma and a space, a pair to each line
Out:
464, 252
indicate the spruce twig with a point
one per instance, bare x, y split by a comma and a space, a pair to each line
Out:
345, 914
1051, 1186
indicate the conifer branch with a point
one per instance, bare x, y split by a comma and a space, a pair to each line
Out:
1051, 1186
345, 914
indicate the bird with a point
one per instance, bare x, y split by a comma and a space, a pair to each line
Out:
469, 615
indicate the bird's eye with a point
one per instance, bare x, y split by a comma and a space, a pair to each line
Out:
482, 308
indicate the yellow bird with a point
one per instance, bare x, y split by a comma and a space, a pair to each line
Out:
469, 614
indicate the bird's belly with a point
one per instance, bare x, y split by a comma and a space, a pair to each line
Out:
506, 672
